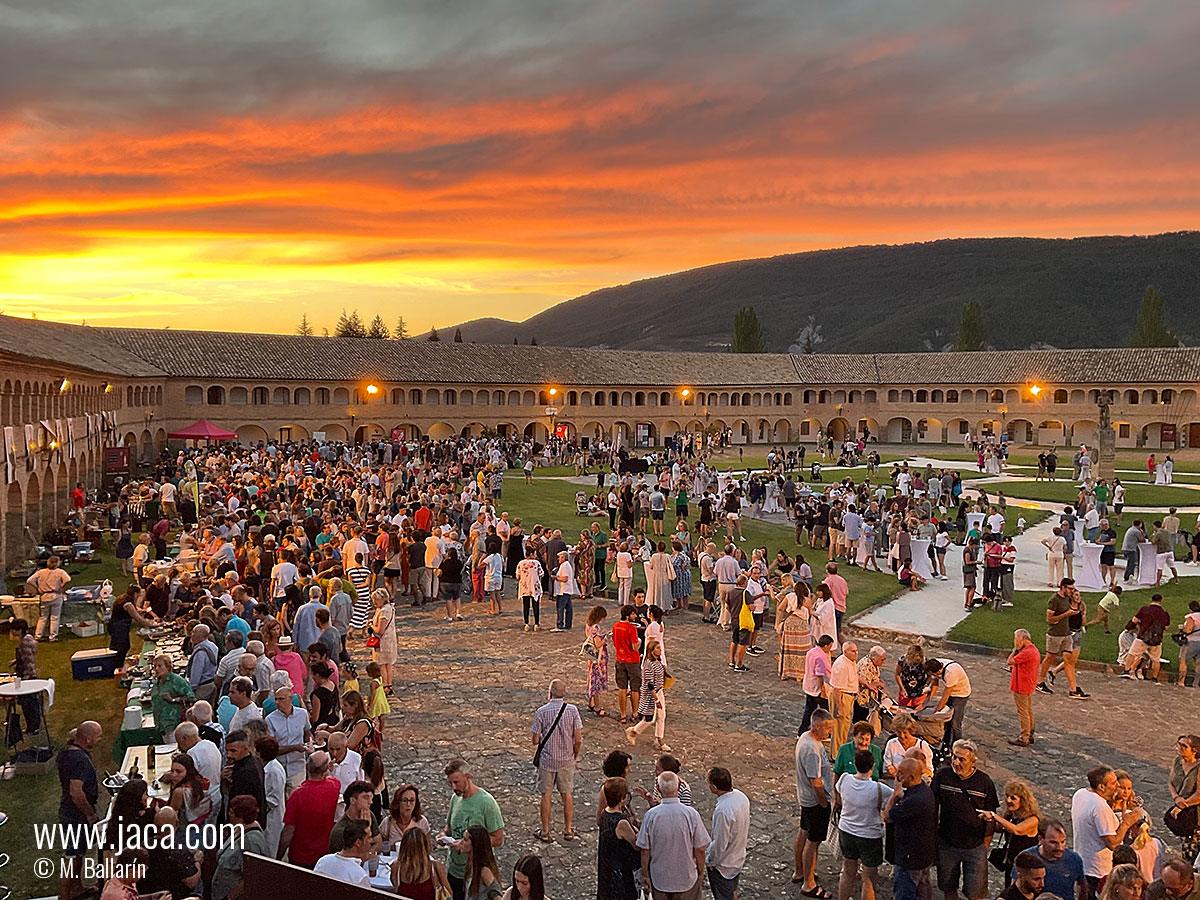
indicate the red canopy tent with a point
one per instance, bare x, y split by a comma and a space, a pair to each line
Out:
203, 430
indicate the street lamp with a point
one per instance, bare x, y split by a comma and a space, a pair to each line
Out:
372, 390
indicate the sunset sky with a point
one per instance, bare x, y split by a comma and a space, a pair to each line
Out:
236, 164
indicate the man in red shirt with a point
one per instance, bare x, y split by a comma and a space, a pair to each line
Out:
1023, 663
629, 659
308, 818
1152, 622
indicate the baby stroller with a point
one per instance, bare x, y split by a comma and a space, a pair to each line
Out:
581, 503
930, 726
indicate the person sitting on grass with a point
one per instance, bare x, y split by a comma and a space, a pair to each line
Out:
909, 577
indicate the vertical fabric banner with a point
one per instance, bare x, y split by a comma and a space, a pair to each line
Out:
71, 438
30, 444
60, 436
10, 455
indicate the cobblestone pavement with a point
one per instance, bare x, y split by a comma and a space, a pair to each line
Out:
471, 689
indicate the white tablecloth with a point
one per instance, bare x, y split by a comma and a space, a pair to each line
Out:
1160, 477
1079, 540
920, 557
29, 686
1147, 564
1088, 576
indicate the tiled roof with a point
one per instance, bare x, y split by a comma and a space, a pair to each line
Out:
144, 352
71, 345
267, 357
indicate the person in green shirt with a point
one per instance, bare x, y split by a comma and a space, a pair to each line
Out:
470, 805
600, 540
169, 697
861, 737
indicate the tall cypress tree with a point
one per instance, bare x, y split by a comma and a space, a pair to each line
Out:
747, 332
972, 329
303, 329
458, 336
1151, 329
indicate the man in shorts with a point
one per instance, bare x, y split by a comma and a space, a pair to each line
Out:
1061, 606
628, 660
1152, 622
558, 734
814, 792
739, 637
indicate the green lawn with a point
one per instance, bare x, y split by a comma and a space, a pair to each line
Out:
1066, 492
995, 629
30, 799
552, 503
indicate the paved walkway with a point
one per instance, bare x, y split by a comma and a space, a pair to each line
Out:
471, 689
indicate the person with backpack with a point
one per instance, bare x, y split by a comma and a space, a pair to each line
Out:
1152, 622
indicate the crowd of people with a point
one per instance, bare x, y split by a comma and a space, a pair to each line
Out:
292, 562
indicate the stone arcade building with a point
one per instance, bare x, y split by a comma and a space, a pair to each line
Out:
66, 392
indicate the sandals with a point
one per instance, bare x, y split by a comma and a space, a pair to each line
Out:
817, 892
570, 836
624, 720
544, 837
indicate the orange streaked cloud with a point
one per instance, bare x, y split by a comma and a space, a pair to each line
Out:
446, 162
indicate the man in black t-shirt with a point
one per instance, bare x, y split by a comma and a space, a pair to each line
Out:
1030, 880
1152, 622
961, 792
80, 791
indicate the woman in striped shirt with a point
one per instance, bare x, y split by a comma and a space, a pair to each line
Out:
360, 577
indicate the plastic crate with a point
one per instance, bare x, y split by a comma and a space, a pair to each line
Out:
86, 629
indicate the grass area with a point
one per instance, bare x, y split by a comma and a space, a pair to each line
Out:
553, 504
1067, 491
30, 799
995, 629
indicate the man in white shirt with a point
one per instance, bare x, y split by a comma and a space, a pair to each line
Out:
206, 756
843, 688
726, 853
285, 573
347, 864
1095, 825
346, 767
356, 545
435, 551
996, 520
956, 690
727, 571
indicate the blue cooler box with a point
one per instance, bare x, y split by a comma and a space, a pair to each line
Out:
98, 663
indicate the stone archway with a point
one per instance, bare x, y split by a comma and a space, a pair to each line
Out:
899, 430
334, 433
251, 434
440, 431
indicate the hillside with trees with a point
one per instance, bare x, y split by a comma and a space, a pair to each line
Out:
1081, 292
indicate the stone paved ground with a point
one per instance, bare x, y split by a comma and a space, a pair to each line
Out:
471, 690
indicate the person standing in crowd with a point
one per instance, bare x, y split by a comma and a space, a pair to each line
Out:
861, 799
672, 840
1064, 867
49, 585
1023, 663
628, 666
843, 689
1184, 784
911, 814
1152, 622
558, 738
564, 590
1096, 827
471, 807
1030, 878
818, 670
652, 707
77, 804
309, 815
1064, 609
726, 853
1177, 882
956, 691
966, 797
814, 793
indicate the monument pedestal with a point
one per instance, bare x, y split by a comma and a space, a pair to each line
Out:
1105, 466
